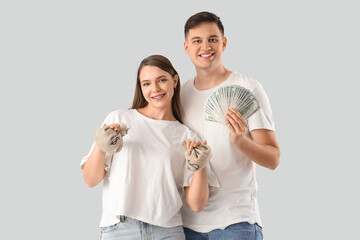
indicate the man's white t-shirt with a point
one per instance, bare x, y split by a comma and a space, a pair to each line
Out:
235, 201
145, 179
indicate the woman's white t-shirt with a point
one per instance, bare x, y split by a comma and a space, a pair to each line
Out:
145, 179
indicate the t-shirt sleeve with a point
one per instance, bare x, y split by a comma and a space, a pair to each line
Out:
107, 163
263, 118
108, 156
188, 175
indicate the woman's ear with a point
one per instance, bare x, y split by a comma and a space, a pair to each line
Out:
176, 79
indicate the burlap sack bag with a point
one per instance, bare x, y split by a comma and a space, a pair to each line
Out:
110, 141
197, 158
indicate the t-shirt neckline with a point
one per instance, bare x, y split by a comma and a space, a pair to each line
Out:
211, 89
154, 120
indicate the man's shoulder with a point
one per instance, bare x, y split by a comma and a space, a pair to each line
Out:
187, 83
186, 87
244, 80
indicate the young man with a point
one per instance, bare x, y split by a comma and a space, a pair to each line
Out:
232, 210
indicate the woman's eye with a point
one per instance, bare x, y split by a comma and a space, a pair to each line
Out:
163, 80
146, 84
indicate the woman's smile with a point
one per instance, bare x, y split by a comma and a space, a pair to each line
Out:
159, 97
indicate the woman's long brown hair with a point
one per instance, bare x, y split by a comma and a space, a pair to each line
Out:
164, 64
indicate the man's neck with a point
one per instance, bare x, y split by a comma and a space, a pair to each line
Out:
207, 79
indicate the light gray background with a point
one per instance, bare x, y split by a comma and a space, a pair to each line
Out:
64, 65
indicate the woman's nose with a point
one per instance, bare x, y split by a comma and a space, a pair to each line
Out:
156, 87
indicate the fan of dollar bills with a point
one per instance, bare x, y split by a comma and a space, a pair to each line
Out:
230, 97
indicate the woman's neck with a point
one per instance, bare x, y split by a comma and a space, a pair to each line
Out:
157, 113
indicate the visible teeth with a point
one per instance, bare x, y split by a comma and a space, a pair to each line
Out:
207, 55
159, 96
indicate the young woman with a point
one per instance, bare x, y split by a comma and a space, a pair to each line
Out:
144, 182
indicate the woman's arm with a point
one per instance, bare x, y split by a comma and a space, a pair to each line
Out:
197, 194
94, 171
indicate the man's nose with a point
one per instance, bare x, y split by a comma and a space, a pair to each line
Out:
206, 46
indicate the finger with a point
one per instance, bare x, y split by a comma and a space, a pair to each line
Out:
236, 126
240, 117
116, 127
192, 145
235, 115
229, 125
205, 142
188, 142
241, 124
196, 143
113, 128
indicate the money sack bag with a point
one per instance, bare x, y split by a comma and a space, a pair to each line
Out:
110, 141
197, 158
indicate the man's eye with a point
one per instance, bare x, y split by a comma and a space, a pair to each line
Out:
196, 41
213, 40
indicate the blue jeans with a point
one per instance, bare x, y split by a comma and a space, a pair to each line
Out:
132, 229
237, 231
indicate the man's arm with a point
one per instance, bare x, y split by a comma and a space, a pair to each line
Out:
263, 148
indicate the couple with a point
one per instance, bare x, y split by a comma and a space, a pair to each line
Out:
148, 192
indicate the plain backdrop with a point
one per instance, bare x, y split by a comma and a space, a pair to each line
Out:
64, 65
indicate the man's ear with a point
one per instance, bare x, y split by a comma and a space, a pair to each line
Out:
224, 44
186, 46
